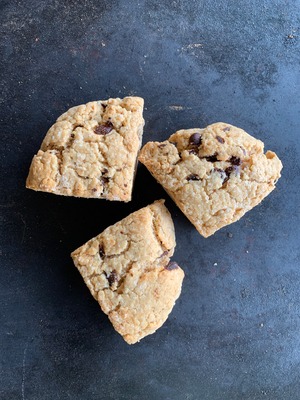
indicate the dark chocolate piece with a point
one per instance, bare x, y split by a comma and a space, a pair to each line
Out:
104, 180
235, 160
226, 129
193, 177
220, 139
112, 278
104, 129
101, 251
195, 139
212, 158
172, 265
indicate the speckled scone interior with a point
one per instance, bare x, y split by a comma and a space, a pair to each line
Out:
128, 271
215, 175
91, 151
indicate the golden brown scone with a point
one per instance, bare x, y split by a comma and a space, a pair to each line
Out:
128, 271
215, 175
91, 151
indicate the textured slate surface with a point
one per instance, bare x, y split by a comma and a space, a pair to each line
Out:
234, 333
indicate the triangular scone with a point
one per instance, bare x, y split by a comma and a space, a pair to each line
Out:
128, 271
215, 175
91, 151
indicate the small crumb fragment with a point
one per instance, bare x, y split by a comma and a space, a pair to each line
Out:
176, 108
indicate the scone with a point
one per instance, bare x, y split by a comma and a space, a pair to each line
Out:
215, 175
91, 151
128, 271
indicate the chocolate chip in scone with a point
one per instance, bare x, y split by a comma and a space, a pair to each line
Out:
104, 180
226, 129
220, 139
104, 171
193, 177
235, 160
104, 106
212, 158
195, 139
162, 145
172, 265
112, 277
72, 135
101, 251
229, 171
104, 129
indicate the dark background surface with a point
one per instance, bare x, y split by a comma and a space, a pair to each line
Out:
235, 331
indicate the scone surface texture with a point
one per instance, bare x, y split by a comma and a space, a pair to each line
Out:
128, 271
91, 151
215, 175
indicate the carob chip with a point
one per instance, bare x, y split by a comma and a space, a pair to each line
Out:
172, 265
112, 277
195, 139
104, 129
193, 177
220, 139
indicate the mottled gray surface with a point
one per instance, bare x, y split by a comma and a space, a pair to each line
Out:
234, 333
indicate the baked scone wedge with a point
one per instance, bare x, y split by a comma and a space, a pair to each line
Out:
128, 271
214, 175
91, 151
